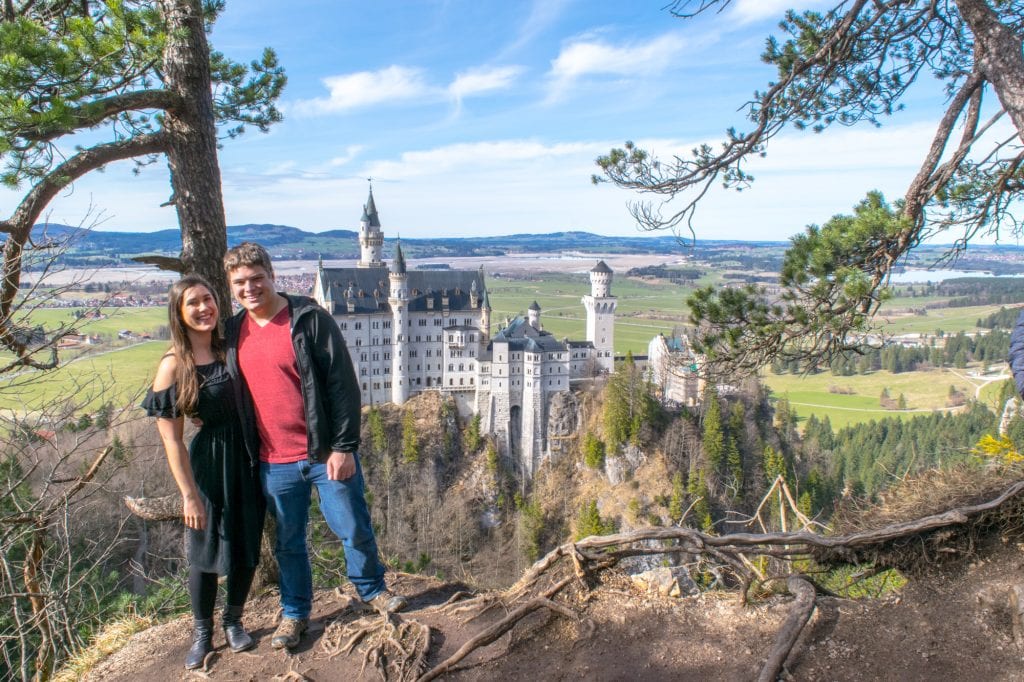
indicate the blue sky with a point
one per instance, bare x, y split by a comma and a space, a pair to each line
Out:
482, 118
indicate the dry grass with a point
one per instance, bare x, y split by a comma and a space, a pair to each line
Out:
111, 638
932, 492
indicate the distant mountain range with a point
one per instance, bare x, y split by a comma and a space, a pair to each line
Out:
291, 242
98, 248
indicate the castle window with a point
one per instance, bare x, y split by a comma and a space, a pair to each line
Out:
451, 382
364, 385
376, 356
460, 367
362, 357
437, 322
471, 381
387, 356
376, 371
422, 323
362, 371
428, 353
472, 338
359, 342
413, 353
462, 381
387, 324
387, 369
376, 324
418, 338
417, 381
376, 385
357, 325
344, 327
451, 367
387, 384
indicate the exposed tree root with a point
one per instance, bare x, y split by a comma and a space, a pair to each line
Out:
791, 629
497, 630
396, 648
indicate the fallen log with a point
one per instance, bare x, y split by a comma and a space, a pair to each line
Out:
166, 508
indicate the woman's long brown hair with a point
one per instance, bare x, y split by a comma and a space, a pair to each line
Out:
186, 377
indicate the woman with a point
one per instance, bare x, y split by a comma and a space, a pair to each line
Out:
223, 508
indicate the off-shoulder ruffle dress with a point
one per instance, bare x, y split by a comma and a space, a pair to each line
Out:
228, 483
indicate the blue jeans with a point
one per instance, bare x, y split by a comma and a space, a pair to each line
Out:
288, 488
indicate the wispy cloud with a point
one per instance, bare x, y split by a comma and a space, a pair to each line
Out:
475, 155
351, 152
366, 88
485, 79
543, 15
590, 57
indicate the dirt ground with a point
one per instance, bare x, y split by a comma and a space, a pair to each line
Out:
951, 625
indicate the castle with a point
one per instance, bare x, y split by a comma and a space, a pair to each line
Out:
430, 330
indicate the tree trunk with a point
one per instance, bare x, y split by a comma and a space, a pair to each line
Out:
998, 53
192, 151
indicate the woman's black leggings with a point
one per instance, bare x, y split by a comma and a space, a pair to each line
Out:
202, 588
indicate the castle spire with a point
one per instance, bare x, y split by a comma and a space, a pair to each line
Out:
371, 238
399, 258
370, 216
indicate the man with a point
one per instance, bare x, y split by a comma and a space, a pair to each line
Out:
300, 409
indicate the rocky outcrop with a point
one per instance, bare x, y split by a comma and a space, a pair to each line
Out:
563, 422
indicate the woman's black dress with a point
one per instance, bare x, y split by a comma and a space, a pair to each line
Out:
228, 484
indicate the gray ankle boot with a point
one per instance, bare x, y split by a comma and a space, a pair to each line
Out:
238, 639
202, 643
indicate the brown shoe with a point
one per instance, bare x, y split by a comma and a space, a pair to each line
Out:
387, 601
289, 632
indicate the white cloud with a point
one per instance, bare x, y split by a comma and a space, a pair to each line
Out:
485, 79
588, 57
365, 88
472, 157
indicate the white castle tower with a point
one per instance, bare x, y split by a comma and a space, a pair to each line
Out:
533, 315
600, 305
371, 238
398, 299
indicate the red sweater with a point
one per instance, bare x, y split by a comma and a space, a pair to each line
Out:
266, 359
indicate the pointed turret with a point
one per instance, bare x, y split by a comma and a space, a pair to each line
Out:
370, 216
371, 238
399, 302
399, 258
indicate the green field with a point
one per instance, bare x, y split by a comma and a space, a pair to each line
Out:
924, 392
644, 308
949, 320
117, 376
135, 319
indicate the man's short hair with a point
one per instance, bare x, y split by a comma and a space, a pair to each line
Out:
248, 254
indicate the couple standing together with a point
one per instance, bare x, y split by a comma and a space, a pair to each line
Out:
280, 410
